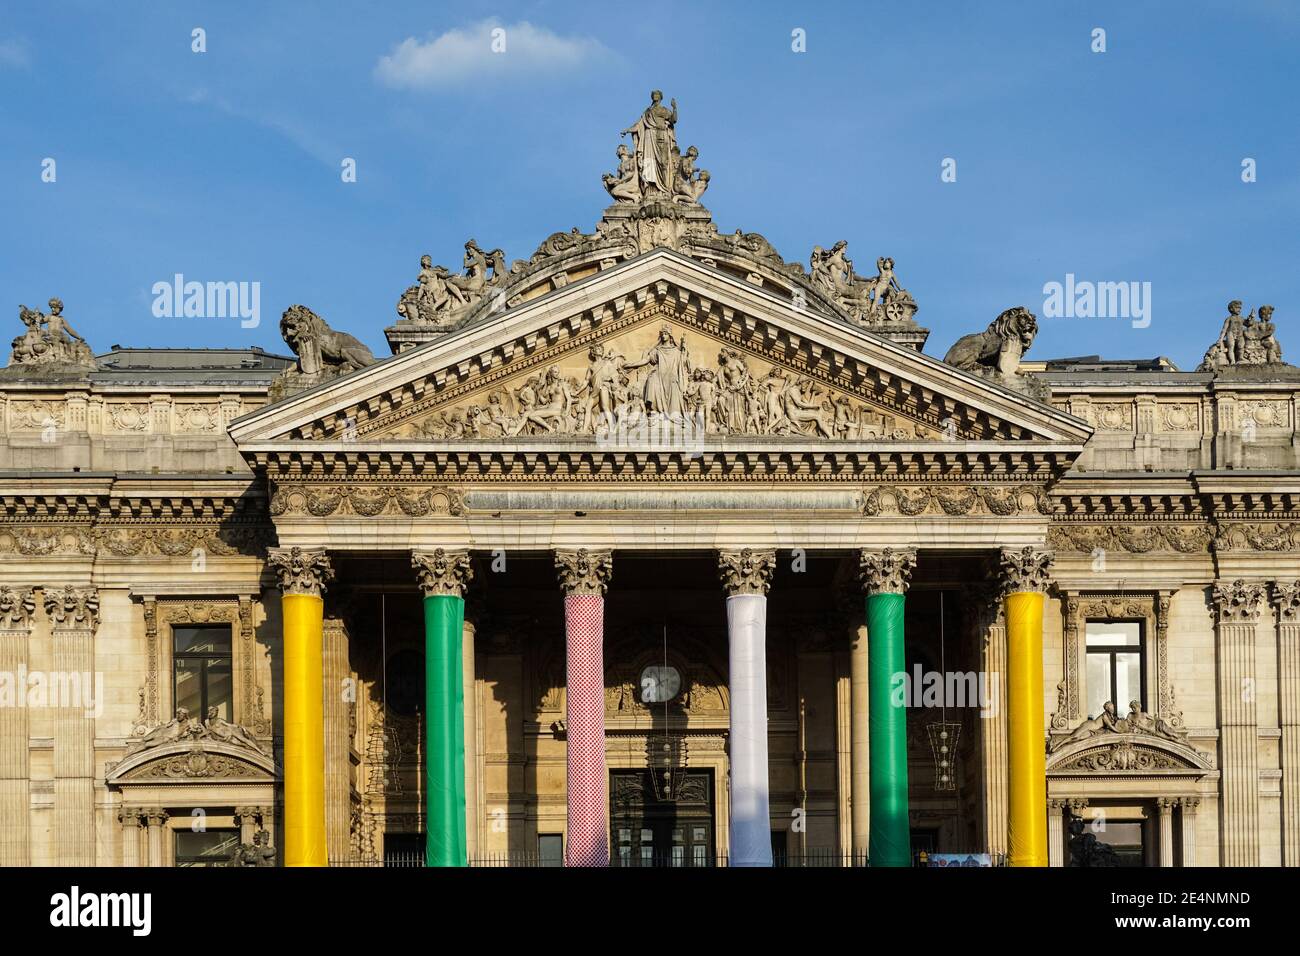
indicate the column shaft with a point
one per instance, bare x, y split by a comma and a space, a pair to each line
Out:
304, 733
1288, 697
444, 620
890, 828
1027, 816
74, 751
1165, 806
1187, 819
584, 631
860, 744
15, 744
1056, 833
751, 827
471, 742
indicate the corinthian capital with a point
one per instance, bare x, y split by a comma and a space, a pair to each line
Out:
73, 609
1238, 602
1024, 569
583, 571
888, 571
443, 572
17, 605
746, 571
301, 572
1286, 597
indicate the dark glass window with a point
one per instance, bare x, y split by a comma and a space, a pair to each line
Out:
550, 849
201, 669
207, 848
1116, 666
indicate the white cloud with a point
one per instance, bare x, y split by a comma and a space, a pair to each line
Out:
483, 50
14, 55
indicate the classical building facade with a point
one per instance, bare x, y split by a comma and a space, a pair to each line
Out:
652, 548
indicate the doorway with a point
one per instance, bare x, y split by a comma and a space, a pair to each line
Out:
654, 825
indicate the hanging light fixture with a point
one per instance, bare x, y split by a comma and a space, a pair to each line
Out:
943, 733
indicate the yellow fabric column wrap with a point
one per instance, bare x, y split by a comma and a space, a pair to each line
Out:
304, 732
1027, 823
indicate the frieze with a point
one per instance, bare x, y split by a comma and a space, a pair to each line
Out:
46, 540
956, 500
366, 500
1133, 538
198, 612
1258, 536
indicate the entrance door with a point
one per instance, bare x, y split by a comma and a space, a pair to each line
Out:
649, 829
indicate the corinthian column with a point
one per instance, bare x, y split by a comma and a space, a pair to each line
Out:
1286, 596
443, 577
584, 576
1024, 575
17, 605
303, 578
74, 616
885, 577
747, 575
1237, 607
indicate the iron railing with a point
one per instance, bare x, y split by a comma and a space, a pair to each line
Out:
812, 858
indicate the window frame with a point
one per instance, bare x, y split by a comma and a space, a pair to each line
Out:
1112, 652
180, 656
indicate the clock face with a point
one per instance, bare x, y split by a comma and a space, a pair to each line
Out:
659, 684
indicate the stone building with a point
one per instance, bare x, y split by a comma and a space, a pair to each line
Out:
651, 548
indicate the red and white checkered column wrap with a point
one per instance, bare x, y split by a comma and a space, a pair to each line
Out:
584, 630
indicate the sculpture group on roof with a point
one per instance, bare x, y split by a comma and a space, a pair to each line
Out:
49, 339
1248, 341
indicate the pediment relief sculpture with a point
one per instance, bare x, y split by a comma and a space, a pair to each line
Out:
323, 353
660, 383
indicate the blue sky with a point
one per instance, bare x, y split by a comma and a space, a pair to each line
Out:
225, 165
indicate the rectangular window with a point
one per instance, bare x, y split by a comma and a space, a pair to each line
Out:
550, 849
206, 847
1115, 665
201, 667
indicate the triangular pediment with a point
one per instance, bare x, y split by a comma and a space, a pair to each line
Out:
669, 339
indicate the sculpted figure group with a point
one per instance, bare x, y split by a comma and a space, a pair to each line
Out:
654, 168
1108, 721
438, 295
874, 300
49, 339
185, 727
663, 386
1248, 341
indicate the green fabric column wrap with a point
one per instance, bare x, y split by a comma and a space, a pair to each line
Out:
890, 843
444, 696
